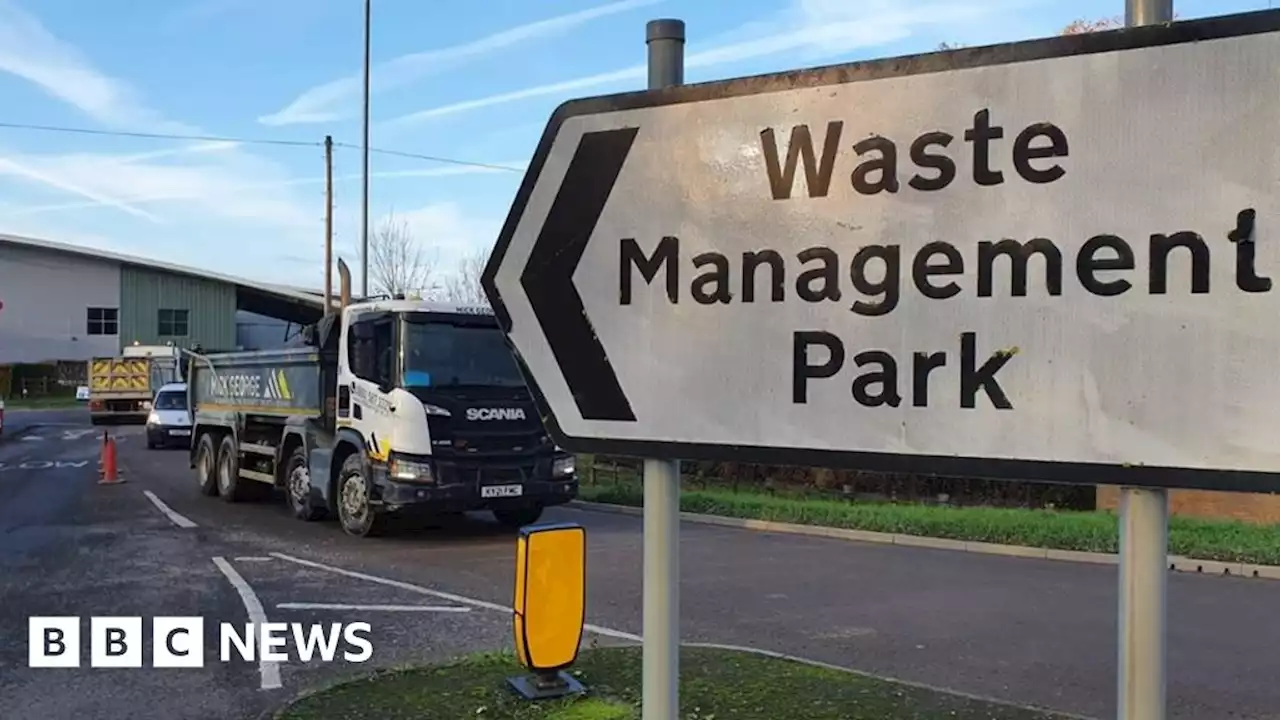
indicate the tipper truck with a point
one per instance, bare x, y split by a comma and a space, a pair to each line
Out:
391, 407
121, 388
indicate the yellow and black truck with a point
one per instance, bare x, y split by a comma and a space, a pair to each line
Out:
121, 388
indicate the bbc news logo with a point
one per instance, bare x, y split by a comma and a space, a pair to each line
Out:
179, 642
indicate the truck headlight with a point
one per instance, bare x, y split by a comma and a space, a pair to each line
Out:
410, 470
562, 466
436, 410
153, 419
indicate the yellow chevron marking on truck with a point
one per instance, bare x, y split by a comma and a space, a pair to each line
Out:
283, 385
380, 450
116, 374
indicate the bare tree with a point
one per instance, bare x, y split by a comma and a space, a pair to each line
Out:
463, 285
397, 264
1076, 27
1081, 27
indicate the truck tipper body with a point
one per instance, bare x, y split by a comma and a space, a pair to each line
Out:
393, 407
121, 387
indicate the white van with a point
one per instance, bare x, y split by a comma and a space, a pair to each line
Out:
169, 424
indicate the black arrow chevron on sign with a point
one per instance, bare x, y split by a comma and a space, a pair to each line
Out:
548, 276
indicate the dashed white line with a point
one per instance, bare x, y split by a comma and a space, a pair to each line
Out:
460, 599
268, 670
385, 608
252, 558
173, 515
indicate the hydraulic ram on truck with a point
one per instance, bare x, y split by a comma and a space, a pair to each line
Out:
394, 407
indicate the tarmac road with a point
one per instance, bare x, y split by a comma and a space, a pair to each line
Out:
1028, 631
17, 422
72, 547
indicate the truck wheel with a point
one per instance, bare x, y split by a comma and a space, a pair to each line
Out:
354, 510
207, 466
517, 516
230, 486
298, 486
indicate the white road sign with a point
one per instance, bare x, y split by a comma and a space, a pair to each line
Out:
1048, 260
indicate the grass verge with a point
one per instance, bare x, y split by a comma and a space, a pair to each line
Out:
54, 402
1228, 541
713, 684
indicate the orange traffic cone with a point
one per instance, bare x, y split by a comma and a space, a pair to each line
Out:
108, 471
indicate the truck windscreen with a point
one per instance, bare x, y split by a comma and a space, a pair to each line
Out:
442, 355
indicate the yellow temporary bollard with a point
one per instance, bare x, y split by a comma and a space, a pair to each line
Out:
550, 607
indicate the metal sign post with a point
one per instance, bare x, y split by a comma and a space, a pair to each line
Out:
661, 676
1144, 547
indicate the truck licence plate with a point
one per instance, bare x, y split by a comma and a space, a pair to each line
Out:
490, 491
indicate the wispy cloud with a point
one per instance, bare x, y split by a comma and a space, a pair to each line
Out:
208, 181
31, 52
247, 188
333, 100
13, 167
815, 29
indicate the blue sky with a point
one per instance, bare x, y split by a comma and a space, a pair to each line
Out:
473, 81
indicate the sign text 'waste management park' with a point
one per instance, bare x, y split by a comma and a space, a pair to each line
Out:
1049, 260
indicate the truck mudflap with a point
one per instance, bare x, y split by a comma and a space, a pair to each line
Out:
457, 487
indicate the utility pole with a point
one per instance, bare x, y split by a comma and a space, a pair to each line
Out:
364, 206
328, 224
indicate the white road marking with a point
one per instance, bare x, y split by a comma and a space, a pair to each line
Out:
268, 670
173, 515
622, 635
44, 465
385, 608
460, 599
252, 558
28, 438
76, 434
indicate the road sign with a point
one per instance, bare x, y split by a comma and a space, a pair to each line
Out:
1046, 260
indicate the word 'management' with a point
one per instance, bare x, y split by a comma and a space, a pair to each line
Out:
869, 273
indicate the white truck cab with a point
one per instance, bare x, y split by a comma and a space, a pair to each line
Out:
391, 407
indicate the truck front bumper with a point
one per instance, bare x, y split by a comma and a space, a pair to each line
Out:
453, 487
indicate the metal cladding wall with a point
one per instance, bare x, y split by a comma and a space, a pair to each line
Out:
46, 296
210, 306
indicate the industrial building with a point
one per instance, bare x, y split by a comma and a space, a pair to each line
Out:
65, 304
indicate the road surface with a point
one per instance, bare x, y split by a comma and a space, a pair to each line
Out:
72, 547
1023, 630
18, 421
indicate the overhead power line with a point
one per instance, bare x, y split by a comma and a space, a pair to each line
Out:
160, 136
248, 141
432, 158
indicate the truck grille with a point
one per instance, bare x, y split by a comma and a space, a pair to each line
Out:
449, 443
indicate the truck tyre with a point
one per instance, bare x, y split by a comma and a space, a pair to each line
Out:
517, 516
355, 512
297, 478
230, 487
207, 465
